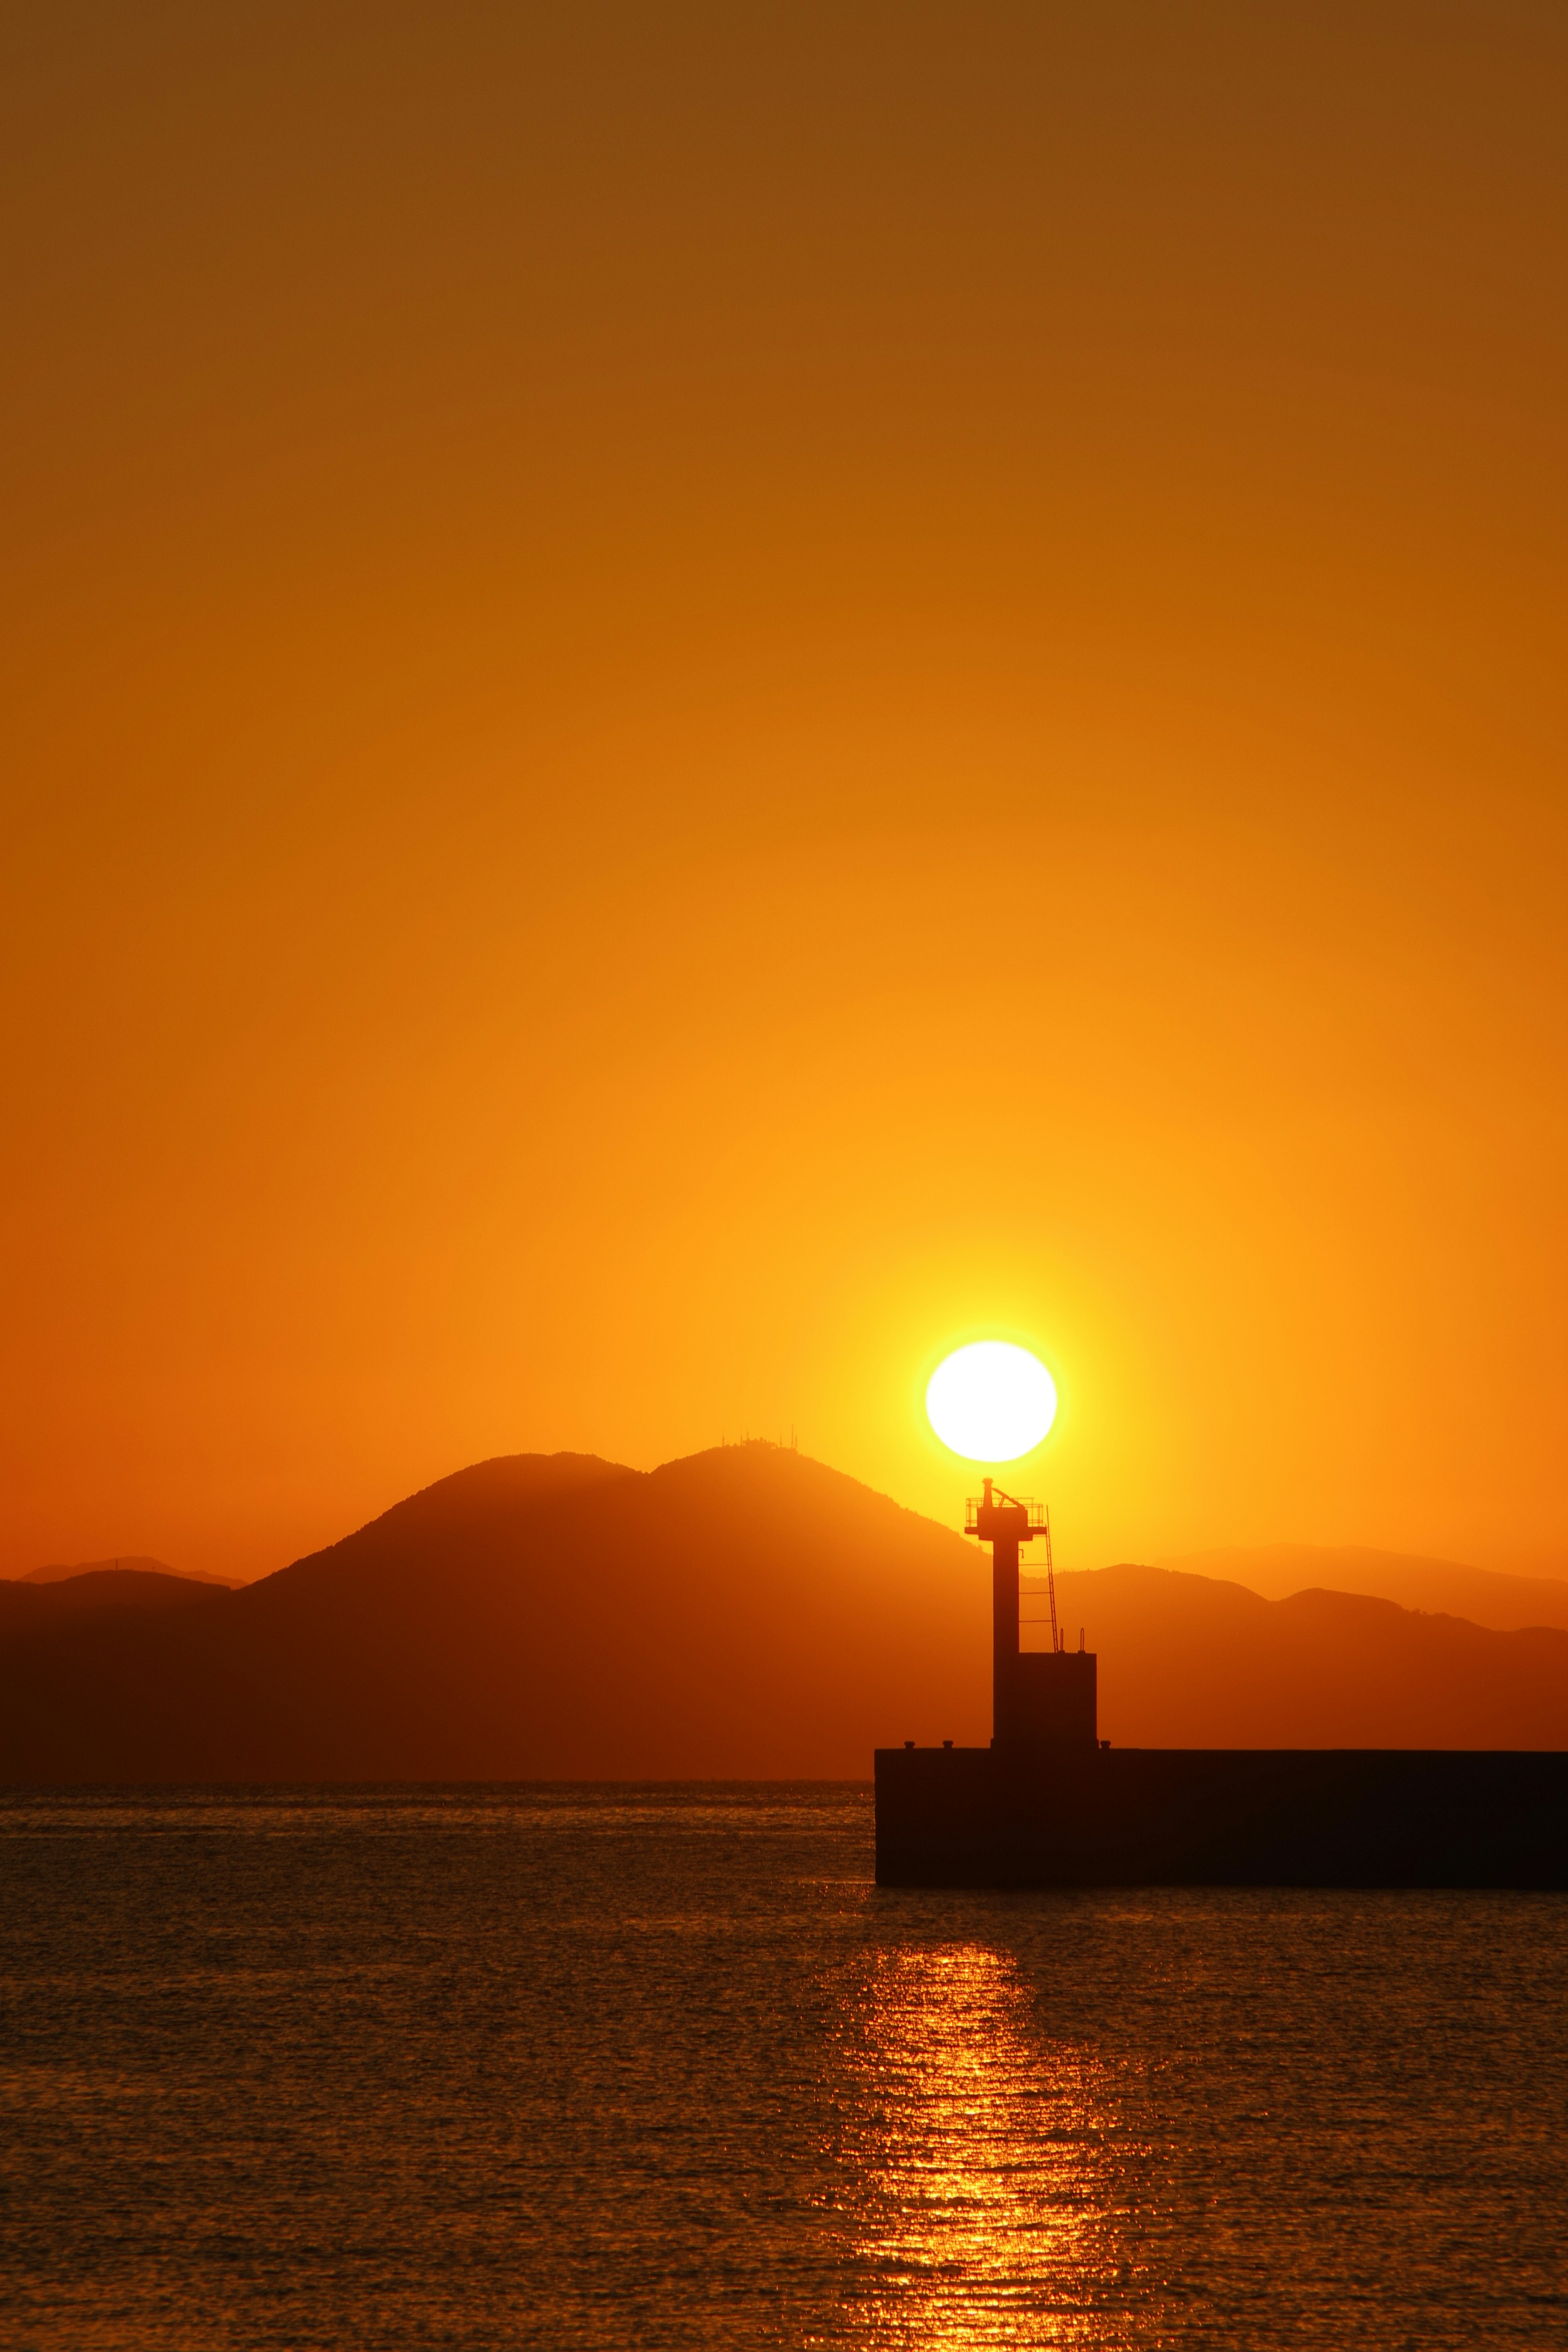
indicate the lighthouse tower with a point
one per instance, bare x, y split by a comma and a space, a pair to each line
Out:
1042, 1696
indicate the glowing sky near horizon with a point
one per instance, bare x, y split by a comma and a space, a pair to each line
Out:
695, 701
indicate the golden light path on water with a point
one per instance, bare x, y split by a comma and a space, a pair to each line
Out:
987, 2206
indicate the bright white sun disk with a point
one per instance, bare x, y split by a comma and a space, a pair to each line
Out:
990, 1402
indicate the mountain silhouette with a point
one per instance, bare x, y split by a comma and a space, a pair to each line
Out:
1193, 1662
745, 1613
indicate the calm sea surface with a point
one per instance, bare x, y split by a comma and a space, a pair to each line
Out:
608, 2067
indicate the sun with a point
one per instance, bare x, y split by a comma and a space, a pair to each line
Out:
990, 1402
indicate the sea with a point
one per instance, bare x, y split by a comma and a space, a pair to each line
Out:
662, 2066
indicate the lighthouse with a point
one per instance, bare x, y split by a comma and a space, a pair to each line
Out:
1037, 1695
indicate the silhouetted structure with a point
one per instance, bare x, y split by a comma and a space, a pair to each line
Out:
1038, 1695
1047, 1803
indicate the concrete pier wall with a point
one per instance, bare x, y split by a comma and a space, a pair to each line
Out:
1023, 1814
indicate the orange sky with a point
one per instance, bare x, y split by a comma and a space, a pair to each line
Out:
695, 701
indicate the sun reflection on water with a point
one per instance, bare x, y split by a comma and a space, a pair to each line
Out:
983, 2162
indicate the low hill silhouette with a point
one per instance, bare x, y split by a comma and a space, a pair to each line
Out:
1484, 1595
26, 1606
55, 1573
744, 1612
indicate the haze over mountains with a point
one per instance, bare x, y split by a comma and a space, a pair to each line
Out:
744, 1612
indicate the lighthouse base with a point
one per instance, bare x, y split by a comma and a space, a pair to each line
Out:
1028, 1814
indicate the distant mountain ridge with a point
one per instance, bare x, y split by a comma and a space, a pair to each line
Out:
56, 1574
1483, 1595
744, 1613
1192, 1662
